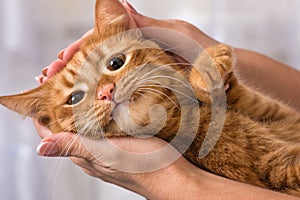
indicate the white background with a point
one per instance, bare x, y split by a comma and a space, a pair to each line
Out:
33, 31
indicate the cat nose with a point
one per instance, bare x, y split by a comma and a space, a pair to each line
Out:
105, 93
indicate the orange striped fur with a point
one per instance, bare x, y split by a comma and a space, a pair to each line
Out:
260, 139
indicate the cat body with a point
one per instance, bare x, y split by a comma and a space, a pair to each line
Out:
255, 149
259, 142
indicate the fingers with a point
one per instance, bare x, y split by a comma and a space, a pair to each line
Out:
174, 36
55, 67
94, 169
63, 145
176, 25
67, 54
61, 54
182, 37
64, 56
41, 130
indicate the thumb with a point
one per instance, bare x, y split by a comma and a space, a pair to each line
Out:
181, 26
181, 37
144, 21
63, 145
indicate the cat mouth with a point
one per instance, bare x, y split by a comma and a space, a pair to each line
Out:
118, 110
119, 120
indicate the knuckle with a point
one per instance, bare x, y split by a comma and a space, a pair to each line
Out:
182, 24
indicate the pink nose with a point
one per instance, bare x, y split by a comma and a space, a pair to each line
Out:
105, 93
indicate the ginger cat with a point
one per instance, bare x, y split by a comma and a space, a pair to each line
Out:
259, 141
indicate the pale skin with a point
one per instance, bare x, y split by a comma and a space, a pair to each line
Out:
181, 179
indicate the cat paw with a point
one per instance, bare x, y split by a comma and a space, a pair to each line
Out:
211, 70
221, 56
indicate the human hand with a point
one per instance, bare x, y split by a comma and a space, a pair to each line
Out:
179, 180
183, 27
164, 183
177, 36
180, 26
97, 158
64, 56
106, 165
142, 21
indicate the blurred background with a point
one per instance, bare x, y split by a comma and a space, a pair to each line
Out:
32, 32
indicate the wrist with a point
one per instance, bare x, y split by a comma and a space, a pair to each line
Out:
180, 180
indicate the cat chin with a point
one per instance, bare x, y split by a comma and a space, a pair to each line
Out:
121, 119
120, 115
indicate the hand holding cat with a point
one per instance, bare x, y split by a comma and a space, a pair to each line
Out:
70, 145
153, 184
180, 180
60, 145
106, 162
141, 21
63, 57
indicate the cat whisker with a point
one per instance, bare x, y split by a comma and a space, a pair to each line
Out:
172, 78
91, 123
60, 119
95, 132
68, 147
87, 127
141, 93
150, 72
158, 94
149, 82
161, 67
58, 163
178, 91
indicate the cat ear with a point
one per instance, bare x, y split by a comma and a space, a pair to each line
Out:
112, 13
27, 104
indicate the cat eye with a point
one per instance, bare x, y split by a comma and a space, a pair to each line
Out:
116, 62
76, 98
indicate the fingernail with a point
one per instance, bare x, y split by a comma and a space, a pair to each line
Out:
129, 7
40, 79
47, 149
37, 78
61, 54
45, 71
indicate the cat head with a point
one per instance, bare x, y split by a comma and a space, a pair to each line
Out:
96, 84
117, 84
